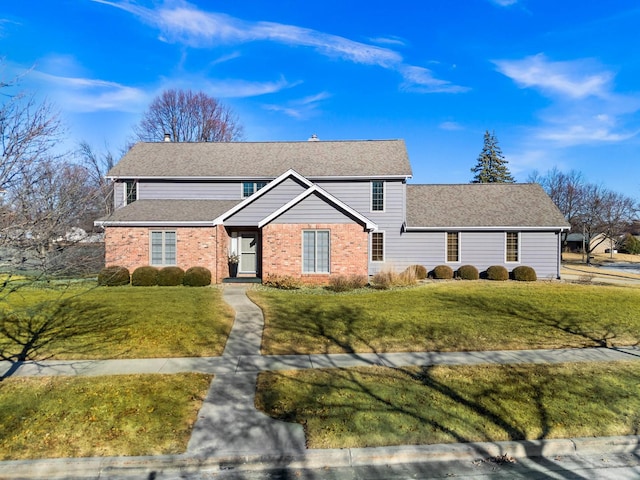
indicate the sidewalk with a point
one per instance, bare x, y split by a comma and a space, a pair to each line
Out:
231, 433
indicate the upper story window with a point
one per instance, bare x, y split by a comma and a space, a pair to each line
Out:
513, 247
377, 196
130, 191
453, 247
249, 188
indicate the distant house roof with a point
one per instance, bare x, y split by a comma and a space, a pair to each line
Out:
255, 160
168, 212
482, 206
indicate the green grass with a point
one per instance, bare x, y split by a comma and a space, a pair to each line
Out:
450, 316
100, 416
368, 407
113, 322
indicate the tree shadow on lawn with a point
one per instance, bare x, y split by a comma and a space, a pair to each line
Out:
454, 424
63, 327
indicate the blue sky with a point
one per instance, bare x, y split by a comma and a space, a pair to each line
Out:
558, 81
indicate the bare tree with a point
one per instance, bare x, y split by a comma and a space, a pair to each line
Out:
593, 210
98, 165
188, 117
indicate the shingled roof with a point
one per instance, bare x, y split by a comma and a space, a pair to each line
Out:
149, 212
242, 160
481, 205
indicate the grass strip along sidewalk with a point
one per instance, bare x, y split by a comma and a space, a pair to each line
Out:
450, 316
114, 322
54, 417
376, 406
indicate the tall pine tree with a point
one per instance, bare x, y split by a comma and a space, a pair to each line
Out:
491, 166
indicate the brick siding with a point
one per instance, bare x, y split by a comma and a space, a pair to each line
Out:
282, 250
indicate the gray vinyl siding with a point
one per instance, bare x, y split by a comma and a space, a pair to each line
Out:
148, 190
313, 209
118, 195
266, 204
358, 196
480, 249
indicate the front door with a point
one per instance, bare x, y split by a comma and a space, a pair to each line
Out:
248, 253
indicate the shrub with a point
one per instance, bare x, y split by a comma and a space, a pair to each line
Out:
197, 277
146, 276
170, 276
342, 283
283, 282
418, 271
388, 278
497, 272
114, 276
442, 272
524, 274
468, 272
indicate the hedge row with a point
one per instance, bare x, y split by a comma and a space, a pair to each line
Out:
495, 272
148, 276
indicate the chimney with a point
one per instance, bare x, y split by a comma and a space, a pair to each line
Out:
314, 138
167, 137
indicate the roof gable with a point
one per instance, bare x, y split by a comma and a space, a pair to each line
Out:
265, 160
481, 206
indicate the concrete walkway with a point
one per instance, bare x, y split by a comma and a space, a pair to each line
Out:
229, 429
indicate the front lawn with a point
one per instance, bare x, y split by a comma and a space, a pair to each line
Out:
100, 416
113, 322
376, 406
450, 316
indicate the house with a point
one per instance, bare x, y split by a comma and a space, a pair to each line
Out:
600, 243
316, 209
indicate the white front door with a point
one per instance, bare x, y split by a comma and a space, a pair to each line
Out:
248, 253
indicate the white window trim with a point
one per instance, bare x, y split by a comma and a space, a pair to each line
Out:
163, 264
315, 230
446, 248
384, 196
519, 248
254, 187
384, 247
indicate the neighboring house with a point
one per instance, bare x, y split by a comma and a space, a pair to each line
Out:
599, 244
316, 209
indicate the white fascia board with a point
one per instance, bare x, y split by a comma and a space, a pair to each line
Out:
269, 186
142, 223
481, 229
369, 225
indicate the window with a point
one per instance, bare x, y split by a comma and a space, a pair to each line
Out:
377, 196
131, 191
163, 248
249, 188
377, 247
315, 251
513, 250
453, 247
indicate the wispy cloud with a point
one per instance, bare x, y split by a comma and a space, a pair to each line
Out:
504, 3
241, 88
90, 95
180, 22
576, 79
586, 108
300, 108
451, 126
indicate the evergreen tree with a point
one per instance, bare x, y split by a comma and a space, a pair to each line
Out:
491, 166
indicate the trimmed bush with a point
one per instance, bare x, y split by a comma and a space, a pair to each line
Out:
283, 282
197, 277
146, 276
468, 272
442, 272
524, 274
497, 272
418, 271
170, 276
114, 276
342, 283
